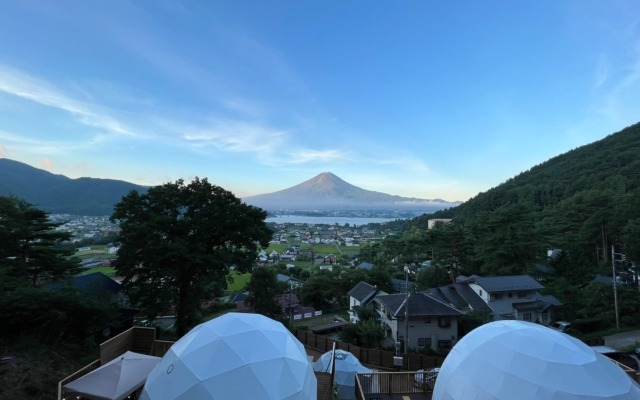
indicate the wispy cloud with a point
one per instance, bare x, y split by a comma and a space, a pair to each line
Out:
602, 71
20, 84
300, 156
268, 145
237, 137
616, 98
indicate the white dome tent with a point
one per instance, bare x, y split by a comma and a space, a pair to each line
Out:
235, 356
522, 360
346, 367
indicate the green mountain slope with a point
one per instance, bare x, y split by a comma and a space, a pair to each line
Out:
59, 194
611, 164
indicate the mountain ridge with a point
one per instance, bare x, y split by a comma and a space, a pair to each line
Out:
58, 194
326, 191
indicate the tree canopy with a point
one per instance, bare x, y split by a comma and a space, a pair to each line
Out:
27, 244
30, 261
264, 290
177, 243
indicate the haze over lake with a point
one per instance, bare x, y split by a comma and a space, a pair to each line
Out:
304, 219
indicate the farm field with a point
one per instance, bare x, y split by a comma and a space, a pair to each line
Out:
108, 271
318, 249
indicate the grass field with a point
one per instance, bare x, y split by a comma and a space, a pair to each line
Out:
108, 271
239, 282
318, 249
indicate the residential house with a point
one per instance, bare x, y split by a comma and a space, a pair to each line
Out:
501, 297
292, 308
400, 285
428, 322
361, 295
292, 283
366, 266
98, 284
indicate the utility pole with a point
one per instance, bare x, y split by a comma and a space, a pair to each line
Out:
615, 285
406, 311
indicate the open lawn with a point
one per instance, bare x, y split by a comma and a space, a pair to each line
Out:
239, 281
108, 271
318, 249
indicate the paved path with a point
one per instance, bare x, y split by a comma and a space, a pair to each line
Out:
624, 340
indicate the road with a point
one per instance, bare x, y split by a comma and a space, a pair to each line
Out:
624, 340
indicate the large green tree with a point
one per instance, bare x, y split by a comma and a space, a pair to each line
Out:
177, 242
264, 290
30, 260
28, 240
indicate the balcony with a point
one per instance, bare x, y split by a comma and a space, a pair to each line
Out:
138, 339
417, 385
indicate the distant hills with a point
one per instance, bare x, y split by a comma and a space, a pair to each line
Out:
610, 166
59, 194
327, 192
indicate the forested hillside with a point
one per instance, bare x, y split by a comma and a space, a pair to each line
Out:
579, 207
609, 165
586, 200
58, 194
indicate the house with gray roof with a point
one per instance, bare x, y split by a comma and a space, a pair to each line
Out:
501, 297
460, 296
361, 295
400, 285
291, 282
430, 323
366, 266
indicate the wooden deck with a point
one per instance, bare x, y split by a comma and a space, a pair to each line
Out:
399, 396
395, 385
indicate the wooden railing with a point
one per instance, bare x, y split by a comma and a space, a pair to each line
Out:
633, 374
373, 357
394, 383
81, 372
139, 339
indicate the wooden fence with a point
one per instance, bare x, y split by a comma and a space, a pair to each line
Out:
372, 357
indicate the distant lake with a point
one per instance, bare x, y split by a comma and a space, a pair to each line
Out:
304, 219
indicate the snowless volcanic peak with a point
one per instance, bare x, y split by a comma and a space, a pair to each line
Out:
326, 191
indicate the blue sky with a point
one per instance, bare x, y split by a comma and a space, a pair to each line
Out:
427, 99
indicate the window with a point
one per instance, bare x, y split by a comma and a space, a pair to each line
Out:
526, 316
496, 296
444, 344
480, 292
510, 294
522, 295
444, 322
427, 320
421, 342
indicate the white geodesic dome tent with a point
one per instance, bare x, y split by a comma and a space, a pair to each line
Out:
507, 360
235, 356
346, 367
